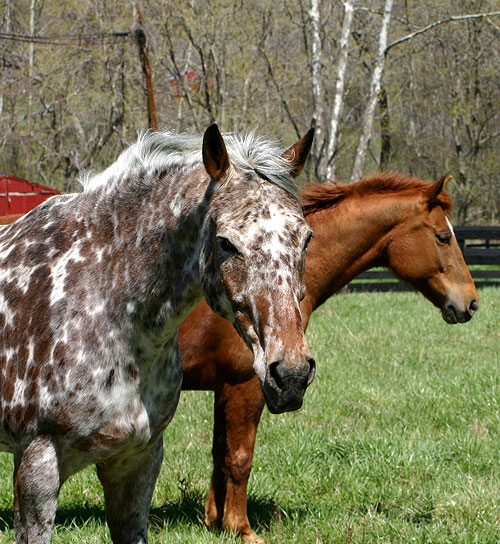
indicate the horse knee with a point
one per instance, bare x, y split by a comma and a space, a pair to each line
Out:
239, 465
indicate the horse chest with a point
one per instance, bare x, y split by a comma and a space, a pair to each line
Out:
160, 382
140, 413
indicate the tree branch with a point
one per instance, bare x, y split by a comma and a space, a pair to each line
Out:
437, 23
283, 101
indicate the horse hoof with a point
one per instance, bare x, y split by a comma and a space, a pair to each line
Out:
252, 538
211, 520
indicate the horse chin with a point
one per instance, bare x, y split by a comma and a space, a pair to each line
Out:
449, 316
279, 402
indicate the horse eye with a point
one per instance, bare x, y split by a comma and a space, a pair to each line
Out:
444, 237
226, 246
308, 239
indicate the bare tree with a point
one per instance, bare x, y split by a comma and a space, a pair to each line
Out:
366, 129
331, 152
269, 66
317, 89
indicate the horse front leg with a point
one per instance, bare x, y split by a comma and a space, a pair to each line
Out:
237, 412
128, 485
36, 491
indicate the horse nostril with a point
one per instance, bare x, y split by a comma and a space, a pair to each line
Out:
300, 376
274, 370
452, 312
473, 307
312, 370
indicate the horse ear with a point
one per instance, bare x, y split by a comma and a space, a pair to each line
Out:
215, 157
298, 152
438, 187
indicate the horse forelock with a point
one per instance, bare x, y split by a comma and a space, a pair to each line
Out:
160, 151
253, 153
319, 196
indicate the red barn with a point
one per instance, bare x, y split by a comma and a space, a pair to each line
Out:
20, 196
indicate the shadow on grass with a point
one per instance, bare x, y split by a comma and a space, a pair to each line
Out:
262, 513
6, 520
77, 515
189, 509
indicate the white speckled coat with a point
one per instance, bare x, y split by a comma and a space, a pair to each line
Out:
93, 287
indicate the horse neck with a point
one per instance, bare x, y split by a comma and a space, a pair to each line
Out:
349, 238
155, 243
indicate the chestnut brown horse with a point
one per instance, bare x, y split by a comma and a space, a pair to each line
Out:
390, 221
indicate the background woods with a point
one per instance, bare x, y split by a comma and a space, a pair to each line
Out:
72, 85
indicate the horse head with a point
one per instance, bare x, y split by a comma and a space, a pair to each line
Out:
252, 260
426, 254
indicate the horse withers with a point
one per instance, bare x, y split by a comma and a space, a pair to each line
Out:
93, 287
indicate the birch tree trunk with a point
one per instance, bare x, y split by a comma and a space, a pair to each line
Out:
331, 152
366, 130
317, 91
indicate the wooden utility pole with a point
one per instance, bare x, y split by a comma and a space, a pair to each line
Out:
140, 36
31, 63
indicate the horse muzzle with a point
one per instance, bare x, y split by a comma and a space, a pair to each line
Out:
284, 386
452, 314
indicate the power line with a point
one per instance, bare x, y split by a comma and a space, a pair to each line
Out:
68, 39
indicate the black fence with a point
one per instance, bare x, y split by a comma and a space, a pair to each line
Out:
481, 249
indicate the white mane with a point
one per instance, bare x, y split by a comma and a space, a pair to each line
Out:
159, 151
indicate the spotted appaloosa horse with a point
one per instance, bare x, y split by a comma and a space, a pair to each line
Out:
93, 287
390, 220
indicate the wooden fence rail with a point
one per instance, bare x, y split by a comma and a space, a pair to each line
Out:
481, 249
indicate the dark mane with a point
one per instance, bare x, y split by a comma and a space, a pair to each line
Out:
319, 196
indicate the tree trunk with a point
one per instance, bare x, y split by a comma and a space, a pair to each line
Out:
339, 90
385, 130
369, 115
317, 91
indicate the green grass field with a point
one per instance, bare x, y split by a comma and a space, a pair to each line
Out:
398, 440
